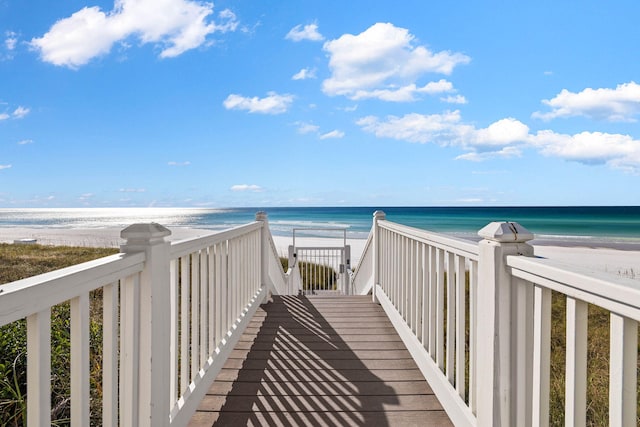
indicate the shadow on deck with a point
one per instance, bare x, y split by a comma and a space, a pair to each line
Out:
320, 361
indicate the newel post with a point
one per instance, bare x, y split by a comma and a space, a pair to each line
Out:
495, 398
154, 305
377, 216
264, 254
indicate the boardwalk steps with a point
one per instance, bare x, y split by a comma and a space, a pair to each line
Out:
320, 360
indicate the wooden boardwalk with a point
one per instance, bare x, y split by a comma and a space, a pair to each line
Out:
320, 361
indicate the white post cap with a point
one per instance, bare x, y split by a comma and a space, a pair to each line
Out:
261, 216
505, 232
141, 233
379, 215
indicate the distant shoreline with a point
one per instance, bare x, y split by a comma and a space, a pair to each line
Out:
617, 258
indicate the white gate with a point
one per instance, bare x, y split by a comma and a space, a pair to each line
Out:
323, 264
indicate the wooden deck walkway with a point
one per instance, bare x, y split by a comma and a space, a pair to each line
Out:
320, 361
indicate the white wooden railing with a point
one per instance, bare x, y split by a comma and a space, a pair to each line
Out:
475, 317
477, 320
172, 313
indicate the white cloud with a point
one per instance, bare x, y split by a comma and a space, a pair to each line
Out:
11, 40
305, 73
308, 32
304, 127
382, 62
4, 116
174, 25
247, 187
271, 104
2, 167
404, 93
334, 134
20, 112
619, 104
186, 163
454, 99
25, 142
616, 150
507, 138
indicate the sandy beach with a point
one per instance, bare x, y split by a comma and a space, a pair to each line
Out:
624, 263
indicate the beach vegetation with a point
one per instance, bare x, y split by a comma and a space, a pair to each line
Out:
21, 261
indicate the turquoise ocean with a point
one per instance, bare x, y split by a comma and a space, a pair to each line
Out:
619, 225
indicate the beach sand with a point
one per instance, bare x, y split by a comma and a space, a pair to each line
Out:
619, 262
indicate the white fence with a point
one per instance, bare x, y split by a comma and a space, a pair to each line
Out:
475, 317
172, 313
477, 320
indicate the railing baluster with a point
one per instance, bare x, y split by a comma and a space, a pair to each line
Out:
185, 353
195, 313
174, 349
623, 371
433, 302
39, 368
204, 305
541, 355
523, 343
451, 317
440, 311
419, 290
110, 334
473, 325
79, 343
460, 326
129, 350
576, 364
211, 285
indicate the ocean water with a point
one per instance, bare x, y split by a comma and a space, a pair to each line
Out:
569, 224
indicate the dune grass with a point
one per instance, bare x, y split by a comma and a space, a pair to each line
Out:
21, 261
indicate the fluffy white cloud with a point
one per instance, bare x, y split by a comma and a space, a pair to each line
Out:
382, 62
304, 127
619, 104
5, 167
308, 32
4, 116
176, 25
273, 103
507, 138
616, 150
444, 129
334, 134
305, 73
25, 142
247, 187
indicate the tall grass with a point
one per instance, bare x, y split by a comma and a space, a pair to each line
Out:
22, 261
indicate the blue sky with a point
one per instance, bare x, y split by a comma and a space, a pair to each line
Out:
318, 103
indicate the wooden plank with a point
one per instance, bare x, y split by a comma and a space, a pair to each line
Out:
307, 375
320, 361
319, 389
332, 419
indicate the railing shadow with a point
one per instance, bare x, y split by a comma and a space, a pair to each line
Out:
300, 372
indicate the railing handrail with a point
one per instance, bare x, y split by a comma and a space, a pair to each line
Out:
34, 294
184, 247
455, 245
366, 259
617, 294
